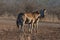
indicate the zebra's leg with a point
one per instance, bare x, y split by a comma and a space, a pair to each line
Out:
21, 26
31, 27
24, 20
17, 23
34, 27
37, 25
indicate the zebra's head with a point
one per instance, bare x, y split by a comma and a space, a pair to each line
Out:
42, 11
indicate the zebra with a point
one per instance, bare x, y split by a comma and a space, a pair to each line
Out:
29, 18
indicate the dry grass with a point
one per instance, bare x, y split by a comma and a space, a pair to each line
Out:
46, 31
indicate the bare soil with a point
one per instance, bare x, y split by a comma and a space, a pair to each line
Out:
46, 31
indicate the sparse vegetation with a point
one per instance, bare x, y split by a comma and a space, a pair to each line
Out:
9, 9
13, 7
46, 31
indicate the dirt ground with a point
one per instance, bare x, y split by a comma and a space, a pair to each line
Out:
46, 31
